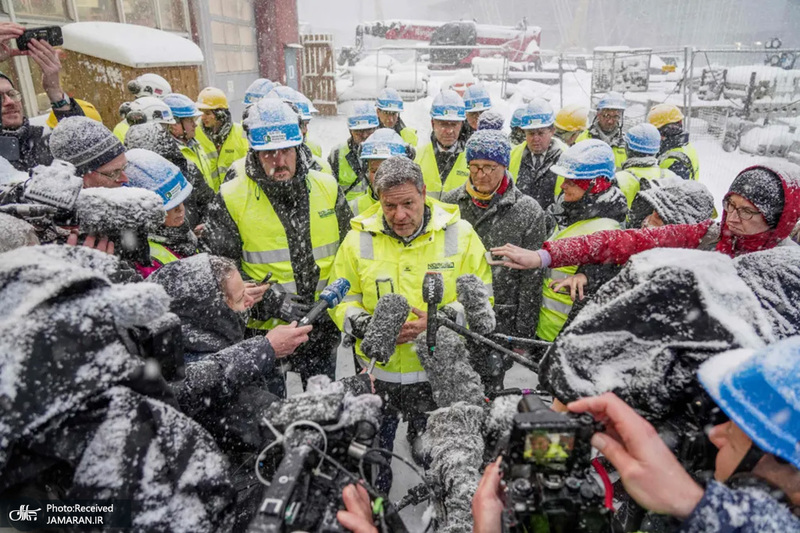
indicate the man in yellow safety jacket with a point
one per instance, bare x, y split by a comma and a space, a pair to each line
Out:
677, 153
642, 143
389, 106
389, 249
607, 125
222, 139
345, 161
277, 218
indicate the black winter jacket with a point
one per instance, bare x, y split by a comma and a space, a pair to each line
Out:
540, 182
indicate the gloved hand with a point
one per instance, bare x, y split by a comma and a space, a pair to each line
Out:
292, 308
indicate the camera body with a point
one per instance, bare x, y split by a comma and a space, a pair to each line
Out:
306, 488
51, 34
548, 471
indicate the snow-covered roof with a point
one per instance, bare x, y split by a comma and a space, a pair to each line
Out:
131, 45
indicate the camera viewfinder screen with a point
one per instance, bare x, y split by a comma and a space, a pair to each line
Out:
547, 448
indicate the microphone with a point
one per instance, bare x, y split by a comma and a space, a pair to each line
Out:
330, 297
473, 295
380, 339
432, 294
451, 376
112, 212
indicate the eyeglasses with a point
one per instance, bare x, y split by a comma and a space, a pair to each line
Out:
610, 114
744, 213
115, 174
485, 169
13, 95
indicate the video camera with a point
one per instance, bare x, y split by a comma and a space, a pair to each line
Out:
548, 471
326, 436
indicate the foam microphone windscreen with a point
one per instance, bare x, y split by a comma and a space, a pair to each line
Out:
380, 339
113, 211
474, 297
451, 377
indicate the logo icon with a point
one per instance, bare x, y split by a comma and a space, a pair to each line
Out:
23, 514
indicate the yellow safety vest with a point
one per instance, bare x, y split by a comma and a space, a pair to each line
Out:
234, 148
556, 306
516, 162
265, 247
629, 180
620, 155
200, 160
315, 148
409, 135
160, 253
362, 203
121, 130
458, 176
326, 168
667, 159
377, 264
347, 176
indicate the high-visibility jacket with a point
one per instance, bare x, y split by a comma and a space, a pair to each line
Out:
359, 205
377, 264
349, 180
326, 168
161, 253
233, 148
458, 176
197, 155
409, 135
620, 155
315, 147
557, 306
686, 154
121, 130
629, 180
265, 247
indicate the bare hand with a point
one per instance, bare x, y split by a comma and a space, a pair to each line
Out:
515, 257
198, 230
358, 516
8, 31
575, 283
103, 245
371, 379
487, 503
47, 58
412, 328
286, 338
650, 472
256, 291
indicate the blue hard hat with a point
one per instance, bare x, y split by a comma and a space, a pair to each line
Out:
586, 160
643, 138
258, 90
148, 170
476, 98
363, 117
272, 125
516, 117
291, 96
760, 392
538, 114
389, 100
182, 106
448, 105
383, 144
612, 100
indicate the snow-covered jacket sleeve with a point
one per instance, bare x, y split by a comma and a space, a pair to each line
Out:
617, 246
221, 236
750, 510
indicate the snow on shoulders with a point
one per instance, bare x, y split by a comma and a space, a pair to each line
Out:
131, 45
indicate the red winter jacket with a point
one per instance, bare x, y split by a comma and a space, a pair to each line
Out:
618, 246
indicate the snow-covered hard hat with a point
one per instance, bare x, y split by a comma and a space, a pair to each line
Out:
258, 90
538, 114
476, 98
295, 98
586, 160
149, 85
383, 144
149, 109
662, 114
612, 100
181, 106
643, 138
760, 392
572, 117
448, 106
389, 100
363, 117
516, 117
148, 170
272, 125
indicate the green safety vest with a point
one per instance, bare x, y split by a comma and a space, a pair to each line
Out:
347, 176
265, 247
620, 155
556, 306
234, 148
516, 162
458, 176
409, 135
685, 153
160, 253
629, 180
200, 160
121, 130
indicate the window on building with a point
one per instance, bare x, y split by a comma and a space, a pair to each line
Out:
233, 35
102, 10
141, 12
43, 9
173, 15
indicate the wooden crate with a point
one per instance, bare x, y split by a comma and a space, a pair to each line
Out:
319, 72
104, 83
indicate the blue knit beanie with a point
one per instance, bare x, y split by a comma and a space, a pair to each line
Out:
491, 145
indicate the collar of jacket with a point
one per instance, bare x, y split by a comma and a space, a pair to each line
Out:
22, 132
674, 141
457, 147
552, 153
610, 203
640, 162
224, 130
614, 138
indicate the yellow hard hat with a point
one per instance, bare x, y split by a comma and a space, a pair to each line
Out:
211, 98
663, 114
88, 109
572, 117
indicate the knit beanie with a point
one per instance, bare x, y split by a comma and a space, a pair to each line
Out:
85, 143
6, 78
764, 189
490, 120
491, 145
